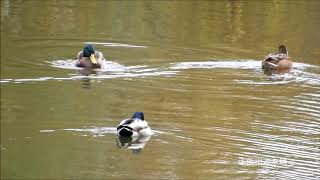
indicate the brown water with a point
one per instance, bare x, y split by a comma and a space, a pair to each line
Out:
193, 68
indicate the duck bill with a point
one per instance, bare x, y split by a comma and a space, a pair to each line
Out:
93, 59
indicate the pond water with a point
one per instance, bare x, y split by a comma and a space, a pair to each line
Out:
193, 68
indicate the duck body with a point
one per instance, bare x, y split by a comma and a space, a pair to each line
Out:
134, 127
277, 62
89, 58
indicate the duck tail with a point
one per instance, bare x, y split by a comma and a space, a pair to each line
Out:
125, 131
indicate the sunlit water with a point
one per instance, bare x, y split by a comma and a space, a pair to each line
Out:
193, 68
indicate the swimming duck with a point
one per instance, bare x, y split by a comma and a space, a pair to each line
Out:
89, 57
135, 126
278, 62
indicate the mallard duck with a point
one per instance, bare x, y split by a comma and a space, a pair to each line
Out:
277, 62
89, 57
135, 126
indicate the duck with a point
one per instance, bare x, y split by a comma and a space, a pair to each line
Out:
279, 62
89, 57
134, 127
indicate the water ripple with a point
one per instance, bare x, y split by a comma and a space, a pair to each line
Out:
116, 44
109, 70
301, 151
297, 75
230, 64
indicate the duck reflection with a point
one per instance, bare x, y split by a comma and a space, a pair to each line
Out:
86, 81
86, 71
136, 144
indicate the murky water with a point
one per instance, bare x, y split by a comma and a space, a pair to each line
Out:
193, 68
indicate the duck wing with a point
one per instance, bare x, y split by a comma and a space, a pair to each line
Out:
139, 125
79, 55
276, 57
125, 122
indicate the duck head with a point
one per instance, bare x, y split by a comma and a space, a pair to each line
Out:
88, 51
138, 115
282, 49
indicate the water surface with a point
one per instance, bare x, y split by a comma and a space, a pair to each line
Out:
193, 68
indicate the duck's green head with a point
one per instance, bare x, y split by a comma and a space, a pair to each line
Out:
88, 51
138, 115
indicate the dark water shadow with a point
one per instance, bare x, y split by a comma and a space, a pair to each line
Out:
86, 81
136, 144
